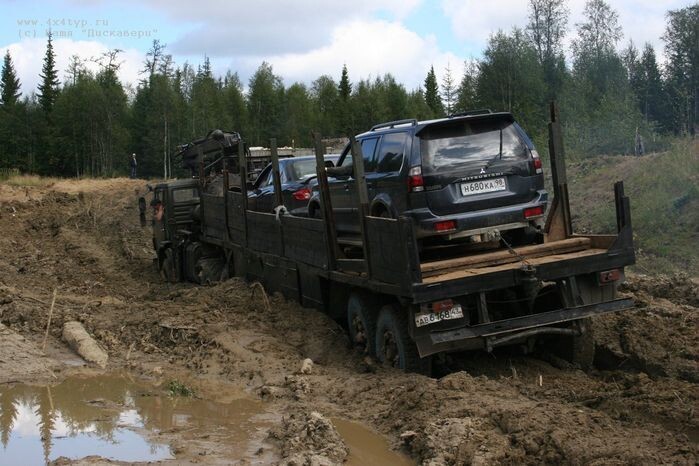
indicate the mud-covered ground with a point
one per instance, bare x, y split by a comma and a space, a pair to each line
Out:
639, 406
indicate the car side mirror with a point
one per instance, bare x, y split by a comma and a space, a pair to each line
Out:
249, 185
341, 173
329, 164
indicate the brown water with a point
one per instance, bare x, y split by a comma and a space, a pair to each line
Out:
116, 417
366, 447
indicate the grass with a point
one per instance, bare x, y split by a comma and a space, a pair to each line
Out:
664, 192
28, 181
177, 388
6, 173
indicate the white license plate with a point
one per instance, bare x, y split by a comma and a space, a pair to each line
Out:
483, 186
433, 317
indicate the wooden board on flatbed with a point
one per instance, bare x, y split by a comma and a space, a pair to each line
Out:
481, 270
430, 269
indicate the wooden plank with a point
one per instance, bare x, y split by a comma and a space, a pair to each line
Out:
304, 240
349, 241
505, 256
558, 223
388, 245
471, 272
214, 223
235, 218
362, 196
351, 265
266, 233
242, 171
326, 204
276, 176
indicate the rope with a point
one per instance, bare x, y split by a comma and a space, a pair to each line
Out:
527, 265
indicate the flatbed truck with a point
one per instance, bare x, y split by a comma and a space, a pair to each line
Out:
399, 306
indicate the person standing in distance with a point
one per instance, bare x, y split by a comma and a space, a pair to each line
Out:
132, 164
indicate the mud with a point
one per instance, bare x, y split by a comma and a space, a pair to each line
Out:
638, 406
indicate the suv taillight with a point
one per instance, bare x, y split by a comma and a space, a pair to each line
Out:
537, 211
415, 181
538, 166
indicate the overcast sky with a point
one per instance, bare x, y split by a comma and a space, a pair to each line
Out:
302, 39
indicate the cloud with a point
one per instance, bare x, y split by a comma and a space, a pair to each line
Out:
28, 58
474, 21
369, 48
642, 20
221, 28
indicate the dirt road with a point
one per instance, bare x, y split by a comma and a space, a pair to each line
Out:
83, 238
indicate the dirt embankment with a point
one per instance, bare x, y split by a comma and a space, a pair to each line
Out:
83, 239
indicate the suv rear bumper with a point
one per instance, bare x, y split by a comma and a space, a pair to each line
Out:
477, 221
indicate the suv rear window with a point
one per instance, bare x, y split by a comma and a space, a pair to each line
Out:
445, 147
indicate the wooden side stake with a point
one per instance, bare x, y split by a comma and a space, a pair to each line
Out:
48, 324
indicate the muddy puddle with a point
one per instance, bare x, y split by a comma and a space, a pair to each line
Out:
367, 447
119, 418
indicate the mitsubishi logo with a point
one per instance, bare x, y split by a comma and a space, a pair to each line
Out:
482, 170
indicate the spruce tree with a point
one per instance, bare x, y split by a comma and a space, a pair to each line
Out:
9, 83
432, 97
345, 87
467, 93
448, 90
48, 89
652, 96
345, 113
682, 69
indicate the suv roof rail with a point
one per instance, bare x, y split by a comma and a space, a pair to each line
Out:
391, 124
480, 111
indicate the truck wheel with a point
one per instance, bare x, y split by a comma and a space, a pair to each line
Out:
167, 268
394, 347
361, 322
579, 349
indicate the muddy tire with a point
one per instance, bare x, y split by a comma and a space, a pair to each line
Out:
394, 347
579, 349
362, 312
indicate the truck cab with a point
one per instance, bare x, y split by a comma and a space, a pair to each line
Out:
174, 217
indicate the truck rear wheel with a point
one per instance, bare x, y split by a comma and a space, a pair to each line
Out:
394, 347
167, 266
578, 349
361, 321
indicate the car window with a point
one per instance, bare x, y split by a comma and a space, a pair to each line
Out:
347, 159
184, 194
449, 146
390, 157
302, 169
266, 181
368, 149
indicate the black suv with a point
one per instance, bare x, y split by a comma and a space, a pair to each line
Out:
464, 176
